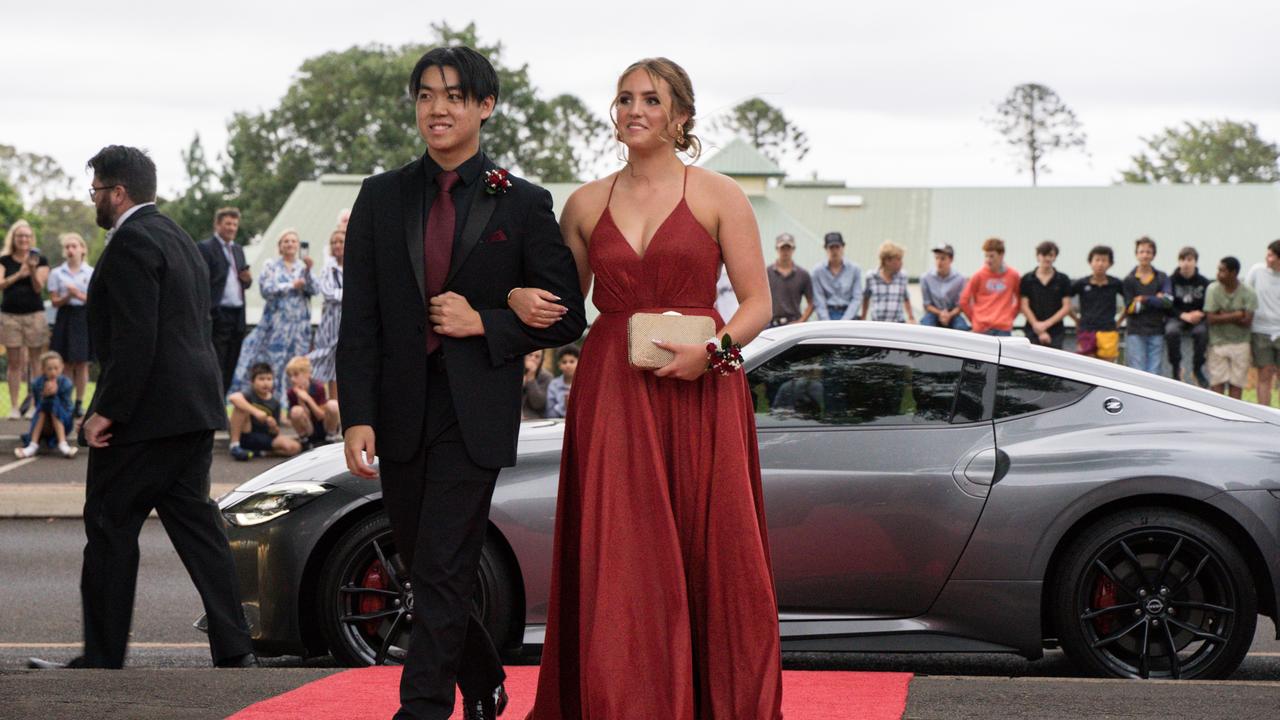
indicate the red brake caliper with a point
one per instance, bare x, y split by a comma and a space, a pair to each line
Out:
1104, 596
375, 577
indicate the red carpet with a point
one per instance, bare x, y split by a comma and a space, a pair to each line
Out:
372, 694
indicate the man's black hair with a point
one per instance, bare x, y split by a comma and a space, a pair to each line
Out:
260, 369
127, 166
1274, 247
1232, 264
1103, 250
568, 350
476, 77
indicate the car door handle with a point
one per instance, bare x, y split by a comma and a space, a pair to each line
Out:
987, 467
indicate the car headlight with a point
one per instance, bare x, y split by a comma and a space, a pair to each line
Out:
272, 502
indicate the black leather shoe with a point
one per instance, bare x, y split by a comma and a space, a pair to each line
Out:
486, 708
38, 664
246, 660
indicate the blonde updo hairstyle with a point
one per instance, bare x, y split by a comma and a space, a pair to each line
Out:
681, 90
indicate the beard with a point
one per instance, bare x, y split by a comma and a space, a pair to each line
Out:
104, 219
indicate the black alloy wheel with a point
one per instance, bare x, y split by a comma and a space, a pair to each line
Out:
366, 600
1155, 593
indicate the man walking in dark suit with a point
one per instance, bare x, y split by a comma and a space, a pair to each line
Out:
430, 359
229, 278
152, 419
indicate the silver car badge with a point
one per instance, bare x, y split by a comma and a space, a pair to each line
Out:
1113, 405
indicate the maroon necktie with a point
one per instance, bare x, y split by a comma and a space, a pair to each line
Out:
438, 244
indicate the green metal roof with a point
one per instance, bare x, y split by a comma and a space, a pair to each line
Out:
1217, 219
740, 159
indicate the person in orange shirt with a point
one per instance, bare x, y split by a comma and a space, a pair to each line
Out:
990, 298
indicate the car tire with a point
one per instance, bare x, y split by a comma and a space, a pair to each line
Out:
350, 564
1169, 578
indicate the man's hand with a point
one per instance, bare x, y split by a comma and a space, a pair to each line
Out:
96, 430
358, 442
245, 276
450, 314
50, 388
273, 425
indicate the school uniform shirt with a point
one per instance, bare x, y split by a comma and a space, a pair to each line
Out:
1046, 299
1098, 302
1188, 293
62, 278
1149, 319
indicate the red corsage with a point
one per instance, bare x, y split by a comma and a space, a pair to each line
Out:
496, 181
726, 359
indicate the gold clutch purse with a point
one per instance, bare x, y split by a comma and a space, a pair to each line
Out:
672, 327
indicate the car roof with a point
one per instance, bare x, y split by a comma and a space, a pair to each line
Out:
1017, 352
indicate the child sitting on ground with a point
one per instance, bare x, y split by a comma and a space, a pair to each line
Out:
558, 390
255, 419
53, 409
313, 417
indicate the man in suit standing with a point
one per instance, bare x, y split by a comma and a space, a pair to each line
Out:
229, 278
430, 360
150, 426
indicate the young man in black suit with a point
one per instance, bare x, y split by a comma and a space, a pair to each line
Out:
229, 279
430, 360
150, 426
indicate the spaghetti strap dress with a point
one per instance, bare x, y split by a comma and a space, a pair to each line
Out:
662, 596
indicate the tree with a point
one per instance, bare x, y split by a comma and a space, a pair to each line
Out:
11, 208
766, 128
1213, 151
1035, 122
64, 215
194, 208
349, 112
34, 176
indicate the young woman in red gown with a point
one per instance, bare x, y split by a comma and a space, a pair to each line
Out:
662, 595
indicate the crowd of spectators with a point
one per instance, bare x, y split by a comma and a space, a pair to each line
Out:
281, 360
1233, 322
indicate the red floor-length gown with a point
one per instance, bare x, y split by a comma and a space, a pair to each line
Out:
662, 596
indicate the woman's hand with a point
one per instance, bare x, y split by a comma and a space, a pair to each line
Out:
299, 283
689, 364
536, 308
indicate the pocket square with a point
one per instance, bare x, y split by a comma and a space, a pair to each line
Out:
498, 236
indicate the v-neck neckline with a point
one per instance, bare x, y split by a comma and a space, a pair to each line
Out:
642, 254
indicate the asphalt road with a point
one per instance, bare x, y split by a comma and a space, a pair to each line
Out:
168, 675
40, 615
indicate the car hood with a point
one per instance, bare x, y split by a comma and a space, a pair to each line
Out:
328, 462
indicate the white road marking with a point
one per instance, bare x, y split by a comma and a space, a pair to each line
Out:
16, 464
76, 645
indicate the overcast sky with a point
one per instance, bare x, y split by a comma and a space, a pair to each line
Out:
890, 93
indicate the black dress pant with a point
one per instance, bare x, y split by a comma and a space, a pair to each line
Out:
125, 483
1173, 330
438, 503
228, 335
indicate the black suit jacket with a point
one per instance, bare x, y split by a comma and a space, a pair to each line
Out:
507, 240
149, 321
216, 260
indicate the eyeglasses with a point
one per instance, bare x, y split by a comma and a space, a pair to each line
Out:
93, 191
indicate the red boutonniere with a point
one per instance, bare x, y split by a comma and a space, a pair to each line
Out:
496, 181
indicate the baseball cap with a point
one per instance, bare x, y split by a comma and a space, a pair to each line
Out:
944, 248
785, 239
832, 238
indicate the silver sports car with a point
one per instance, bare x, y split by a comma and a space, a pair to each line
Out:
926, 490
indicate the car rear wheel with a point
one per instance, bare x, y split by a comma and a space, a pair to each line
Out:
365, 605
1155, 593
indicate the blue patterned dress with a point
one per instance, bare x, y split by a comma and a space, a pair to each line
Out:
284, 331
322, 357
